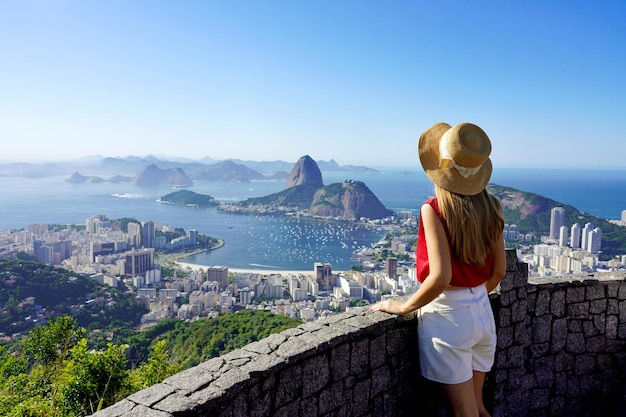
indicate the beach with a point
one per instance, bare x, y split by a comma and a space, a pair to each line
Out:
194, 267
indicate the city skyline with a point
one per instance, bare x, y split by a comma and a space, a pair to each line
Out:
352, 81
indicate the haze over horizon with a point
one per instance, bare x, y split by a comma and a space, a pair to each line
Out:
352, 81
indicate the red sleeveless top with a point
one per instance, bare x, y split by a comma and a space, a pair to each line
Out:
463, 274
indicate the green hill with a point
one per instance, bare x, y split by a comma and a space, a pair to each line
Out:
32, 294
191, 343
531, 213
189, 198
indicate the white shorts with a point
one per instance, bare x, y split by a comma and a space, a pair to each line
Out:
457, 335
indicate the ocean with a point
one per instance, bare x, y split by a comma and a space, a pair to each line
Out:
269, 242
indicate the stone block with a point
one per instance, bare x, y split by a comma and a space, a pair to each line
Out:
521, 335
361, 397
151, 395
539, 350
575, 343
519, 311
289, 386
260, 404
541, 328
288, 410
598, 306
315, 375
595, 290
575, 293
574, 325
596, 344
143, 411
333, 397
557, 303
612, 288
544, 372
378, 351
505, 337
207, 397
543, 303
622, 311
308, 407
340, 362
557, 406
585, 364
539, 399
578, 310
232, 380
212, 365
560, 384
190, 380
503, 318
381, 380
119, 409
359, 356
559, 334
612, 324
294, 331
398, 340
589, 326
621, 292
564, 362
295, 349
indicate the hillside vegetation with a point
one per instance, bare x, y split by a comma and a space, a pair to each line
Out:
531, 213
190, 198
57, 369
32, 293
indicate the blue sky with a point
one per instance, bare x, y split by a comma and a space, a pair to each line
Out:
357, 81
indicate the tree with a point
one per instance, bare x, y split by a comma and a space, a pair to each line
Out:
156, 369
91, 381
47, 345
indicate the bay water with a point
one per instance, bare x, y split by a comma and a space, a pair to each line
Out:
278, 242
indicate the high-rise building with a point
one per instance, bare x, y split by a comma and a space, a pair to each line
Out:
192, 234
245, 296
575, 236
584, 237
557, 219
134, 234
594, 241
563, 236
324, 275
219, 274
147, 234
138, 262
392, 267
94, 223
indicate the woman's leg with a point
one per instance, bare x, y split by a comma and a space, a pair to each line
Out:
466, 398
462, 399
479, 382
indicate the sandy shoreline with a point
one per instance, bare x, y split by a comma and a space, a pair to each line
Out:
195, 267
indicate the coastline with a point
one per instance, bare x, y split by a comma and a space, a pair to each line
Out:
196, 267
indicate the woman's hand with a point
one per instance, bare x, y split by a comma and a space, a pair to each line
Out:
388, 306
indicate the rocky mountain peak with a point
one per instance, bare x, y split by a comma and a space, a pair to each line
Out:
305, 171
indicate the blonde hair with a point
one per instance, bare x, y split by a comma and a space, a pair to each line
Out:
474, 224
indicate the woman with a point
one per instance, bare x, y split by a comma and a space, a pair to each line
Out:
460, 259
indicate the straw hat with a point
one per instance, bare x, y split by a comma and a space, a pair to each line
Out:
456, 158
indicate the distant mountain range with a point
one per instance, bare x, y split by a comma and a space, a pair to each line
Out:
95, 169
305, 191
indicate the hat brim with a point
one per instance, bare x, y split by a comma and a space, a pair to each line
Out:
449, 178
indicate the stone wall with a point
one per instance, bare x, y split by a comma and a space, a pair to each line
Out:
561, 345
560, 352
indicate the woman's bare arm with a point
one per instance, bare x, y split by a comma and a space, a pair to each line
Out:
440, 267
